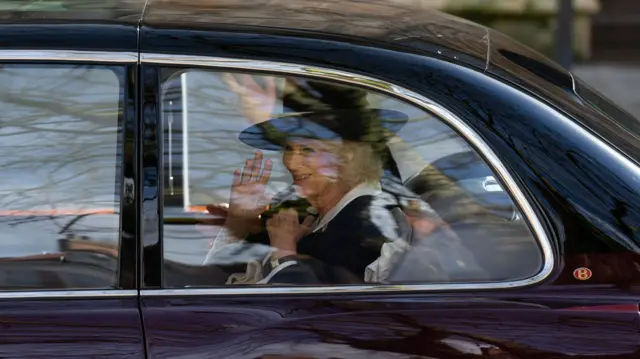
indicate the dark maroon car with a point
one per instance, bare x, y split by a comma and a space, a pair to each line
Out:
487, 202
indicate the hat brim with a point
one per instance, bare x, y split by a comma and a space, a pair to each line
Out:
272, 134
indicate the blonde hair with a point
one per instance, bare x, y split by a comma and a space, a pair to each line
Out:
359, 163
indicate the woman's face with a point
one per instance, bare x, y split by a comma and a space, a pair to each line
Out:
313, 164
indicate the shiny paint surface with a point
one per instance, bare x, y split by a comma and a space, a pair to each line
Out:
71, 11
539, 76
151, 266
70, 328
403, 25
586, 195
72, 25
588, 211
129, 222
544, 324
68, 37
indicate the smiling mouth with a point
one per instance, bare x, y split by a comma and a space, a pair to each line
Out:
301, 177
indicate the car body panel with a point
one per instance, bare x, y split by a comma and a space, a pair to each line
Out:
401, 25
533, 73
71, 328
574, 165
560, 178
477, 325
71, 25
72, 11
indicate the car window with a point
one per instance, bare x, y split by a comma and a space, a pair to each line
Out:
284, 180
59, 156
607, 107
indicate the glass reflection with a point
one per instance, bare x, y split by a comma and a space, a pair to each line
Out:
350, 186
59, 193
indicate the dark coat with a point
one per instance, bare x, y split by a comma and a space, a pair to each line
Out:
340, 252
343, 248
351, 240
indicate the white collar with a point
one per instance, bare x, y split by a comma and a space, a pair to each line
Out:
363, 189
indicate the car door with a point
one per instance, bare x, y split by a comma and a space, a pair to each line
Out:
68, 208
501, 289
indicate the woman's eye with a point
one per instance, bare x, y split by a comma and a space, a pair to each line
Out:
308, 150
288, 148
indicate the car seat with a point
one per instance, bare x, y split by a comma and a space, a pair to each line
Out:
487, 222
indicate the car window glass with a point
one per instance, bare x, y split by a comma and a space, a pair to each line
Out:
59, 155
608, 108
273, 180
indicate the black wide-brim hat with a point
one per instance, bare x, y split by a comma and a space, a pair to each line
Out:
373, 126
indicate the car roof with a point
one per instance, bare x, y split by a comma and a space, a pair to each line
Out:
69, 11
410, 25
402, 23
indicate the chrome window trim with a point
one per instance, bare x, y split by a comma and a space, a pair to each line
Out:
395, 91
66, 294
69, 55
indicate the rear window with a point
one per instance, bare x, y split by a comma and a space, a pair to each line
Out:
606, 107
